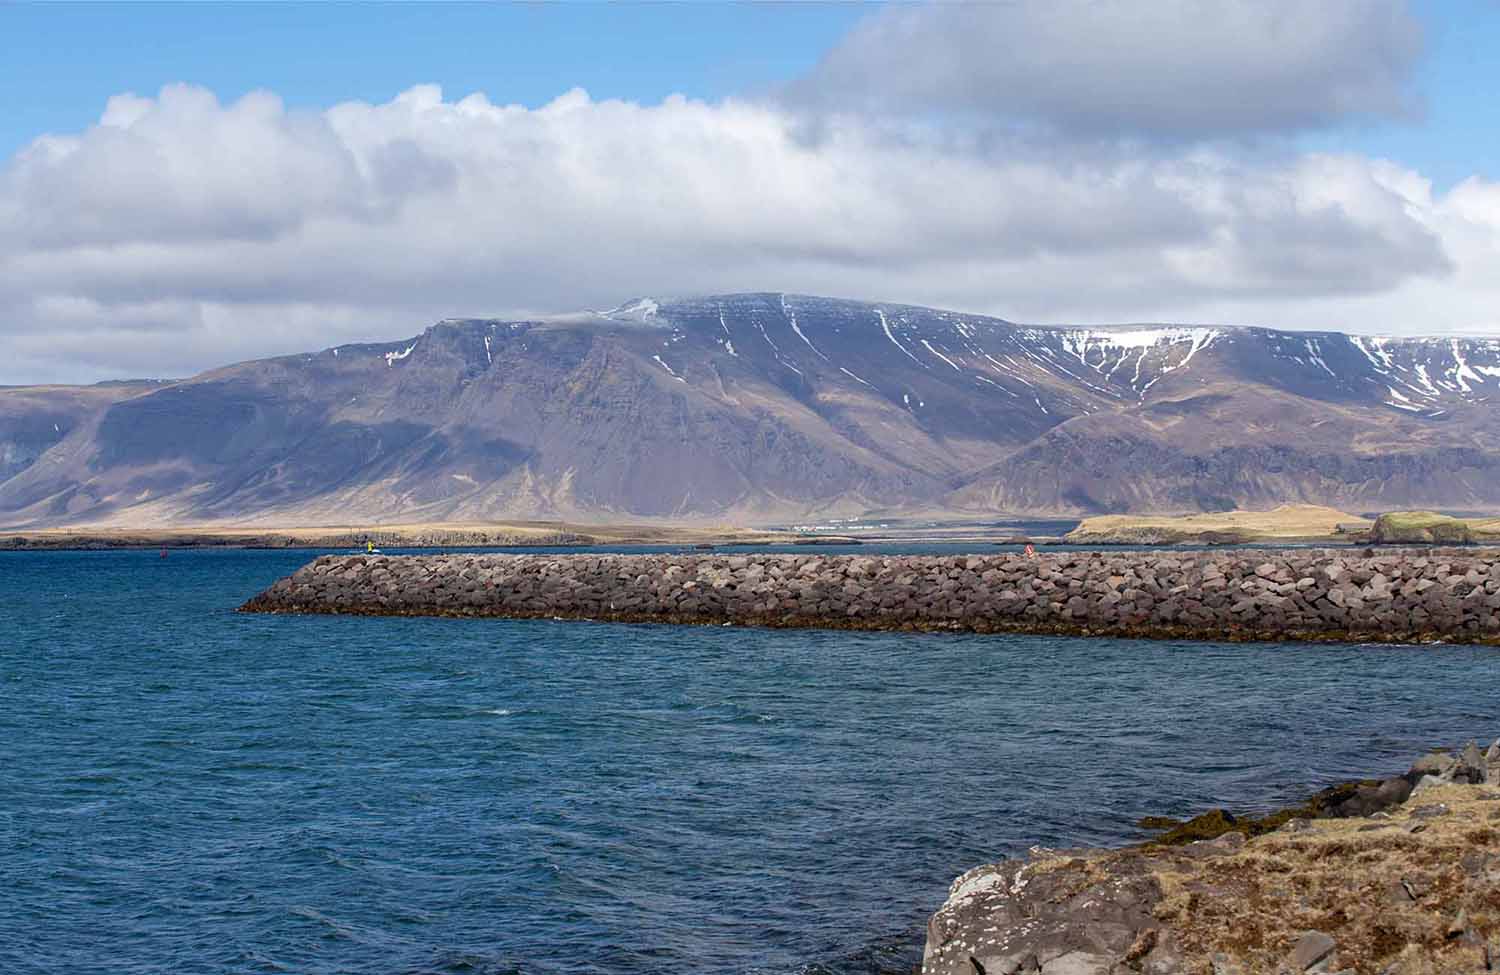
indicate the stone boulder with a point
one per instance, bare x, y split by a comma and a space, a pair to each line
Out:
1050, 914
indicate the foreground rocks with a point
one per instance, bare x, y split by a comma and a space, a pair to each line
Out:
1411, 889
1312, 594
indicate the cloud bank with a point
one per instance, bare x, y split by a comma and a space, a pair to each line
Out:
1166, 69
180, 232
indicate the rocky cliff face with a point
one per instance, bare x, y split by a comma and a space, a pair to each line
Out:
767, 406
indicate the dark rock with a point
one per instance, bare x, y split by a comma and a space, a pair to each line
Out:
1471, 765
1435, 763
1392, 792
1311, 948
1003, 915
1370, 799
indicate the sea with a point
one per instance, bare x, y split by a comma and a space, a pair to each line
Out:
185, 789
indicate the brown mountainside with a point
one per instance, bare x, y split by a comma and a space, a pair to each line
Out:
761, 407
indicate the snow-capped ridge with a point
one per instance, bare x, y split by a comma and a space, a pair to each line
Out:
644, 311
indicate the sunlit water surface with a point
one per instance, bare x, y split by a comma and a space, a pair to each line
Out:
184, 789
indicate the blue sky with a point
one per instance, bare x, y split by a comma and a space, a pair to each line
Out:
59, 62
1241, 161
1459, 134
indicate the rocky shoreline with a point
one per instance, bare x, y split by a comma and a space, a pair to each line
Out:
1396, 877
1411, 595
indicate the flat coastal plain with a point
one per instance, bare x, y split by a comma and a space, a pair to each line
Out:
415, 535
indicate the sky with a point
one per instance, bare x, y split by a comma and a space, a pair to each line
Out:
183, 186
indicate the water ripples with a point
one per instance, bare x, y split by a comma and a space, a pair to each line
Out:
184, 789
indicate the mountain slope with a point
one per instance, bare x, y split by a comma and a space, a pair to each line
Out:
759, 406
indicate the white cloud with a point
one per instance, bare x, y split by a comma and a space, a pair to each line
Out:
182, 169
180, 233
1162, 68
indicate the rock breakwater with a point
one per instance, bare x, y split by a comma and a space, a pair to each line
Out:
1308, 594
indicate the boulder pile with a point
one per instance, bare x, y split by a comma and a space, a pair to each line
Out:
1411, 595
1403, 883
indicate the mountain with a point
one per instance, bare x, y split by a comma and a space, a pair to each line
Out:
769, 406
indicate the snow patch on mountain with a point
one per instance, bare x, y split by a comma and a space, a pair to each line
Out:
791, 317
886, 327
1151, 352
642, 311
940, 355
668, 368
728, 338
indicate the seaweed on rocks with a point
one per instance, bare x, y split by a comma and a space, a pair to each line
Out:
1345, 799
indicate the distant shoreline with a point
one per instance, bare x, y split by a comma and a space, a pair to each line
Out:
1286, 525
436, 535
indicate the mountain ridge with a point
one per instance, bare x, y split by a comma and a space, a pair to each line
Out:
763, 406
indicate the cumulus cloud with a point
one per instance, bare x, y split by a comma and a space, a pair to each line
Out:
181, 232
183, 168
1166, 68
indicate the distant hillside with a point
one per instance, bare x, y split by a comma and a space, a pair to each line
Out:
766, 406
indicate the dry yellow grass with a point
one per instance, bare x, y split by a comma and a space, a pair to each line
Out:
1288, 521
1409, 894
414, 534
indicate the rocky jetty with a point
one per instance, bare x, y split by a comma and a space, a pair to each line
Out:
1328, 595
1401, 877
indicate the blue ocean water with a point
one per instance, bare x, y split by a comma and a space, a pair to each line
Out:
188, 790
